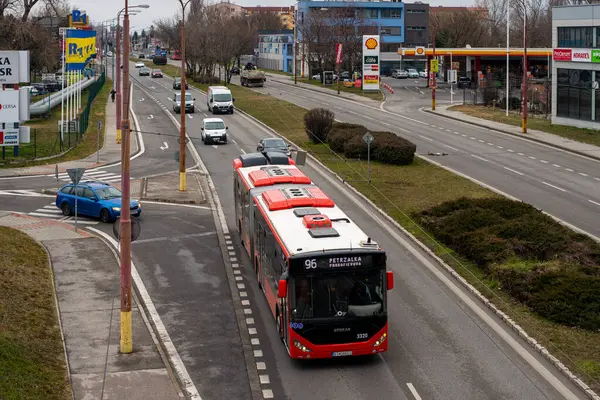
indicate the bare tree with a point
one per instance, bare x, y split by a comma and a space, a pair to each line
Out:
459, 28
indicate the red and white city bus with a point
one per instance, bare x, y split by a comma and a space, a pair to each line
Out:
325, 280
258, 170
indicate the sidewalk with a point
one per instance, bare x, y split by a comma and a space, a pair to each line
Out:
86, 277
110, 152
549, 139
290, 81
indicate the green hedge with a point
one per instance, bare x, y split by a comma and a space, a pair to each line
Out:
549, 268
386, 147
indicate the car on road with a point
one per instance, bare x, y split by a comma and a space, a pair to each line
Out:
213, 130
177, 84
464, 82
144, 71
277, 145
401, 74
94, 199
157, 73
423, 74
139, 65
142, 56
109, 53
189, 103
413, 73
219, 100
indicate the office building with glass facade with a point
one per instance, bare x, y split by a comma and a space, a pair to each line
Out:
576, 66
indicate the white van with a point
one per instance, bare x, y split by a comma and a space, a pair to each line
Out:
219, 100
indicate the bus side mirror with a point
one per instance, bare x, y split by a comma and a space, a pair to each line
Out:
282, 289
390, 280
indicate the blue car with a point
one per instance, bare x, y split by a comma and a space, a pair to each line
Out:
94, 199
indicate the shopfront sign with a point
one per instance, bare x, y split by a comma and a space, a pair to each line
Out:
9, 106
371, 49
14, 67
596, 56
561, 54
9, 137
581, 55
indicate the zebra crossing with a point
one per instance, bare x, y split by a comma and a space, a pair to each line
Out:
93, 175
26, 193
52, 212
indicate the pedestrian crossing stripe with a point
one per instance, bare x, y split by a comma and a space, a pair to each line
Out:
97, 175
52, 212
27, 193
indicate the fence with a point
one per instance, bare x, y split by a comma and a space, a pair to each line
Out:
492, 93
46, 140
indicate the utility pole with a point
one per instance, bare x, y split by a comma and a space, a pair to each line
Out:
524, 122
118, 78
125, 225
433, 83
182, 138
295, 47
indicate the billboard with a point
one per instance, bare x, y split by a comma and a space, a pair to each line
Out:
79, 48
77, 19
371, 48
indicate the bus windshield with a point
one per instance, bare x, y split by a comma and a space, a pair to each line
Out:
356, 293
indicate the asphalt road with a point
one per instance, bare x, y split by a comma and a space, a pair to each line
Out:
438, 345
563, 184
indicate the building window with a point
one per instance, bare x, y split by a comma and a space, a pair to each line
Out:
417, 11
370, 13
575, 37
416, 28
390, 30
574, 94
367, 30
387, 13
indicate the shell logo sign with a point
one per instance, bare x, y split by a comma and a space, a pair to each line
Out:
371, 43
419, 51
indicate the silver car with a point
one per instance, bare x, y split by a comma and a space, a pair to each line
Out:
402, 74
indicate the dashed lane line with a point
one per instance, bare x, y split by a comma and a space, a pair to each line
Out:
555, 187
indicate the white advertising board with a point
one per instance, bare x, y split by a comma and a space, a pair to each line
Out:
9, 105
14, 67
9, 135
371, 48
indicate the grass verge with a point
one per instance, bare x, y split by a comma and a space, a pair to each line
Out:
44, 131
583, 135
31, 351
407, 190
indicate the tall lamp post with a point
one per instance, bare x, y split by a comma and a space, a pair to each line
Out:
507, 55
126, 345
451, 79
182, 141
524, 122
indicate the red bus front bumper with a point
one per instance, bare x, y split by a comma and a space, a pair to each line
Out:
377, 344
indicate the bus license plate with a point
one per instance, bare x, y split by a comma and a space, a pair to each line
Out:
341, 353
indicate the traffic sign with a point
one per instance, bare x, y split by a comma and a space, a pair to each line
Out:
435, 66
76, 174
368, 138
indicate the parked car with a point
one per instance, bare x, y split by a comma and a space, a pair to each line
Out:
109, 53
140, 65
464, 82
177, 84
213, 130
402, 74
423, 74
157, 73
142, 56
413, 73
274, 145
235, 71
145, 71
94, 199
394, 73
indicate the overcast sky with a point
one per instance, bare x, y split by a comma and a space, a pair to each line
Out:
100, 11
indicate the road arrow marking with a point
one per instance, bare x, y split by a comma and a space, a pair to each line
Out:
215, 146
166, 146
152, 87
151, 116
190, 116
142, 99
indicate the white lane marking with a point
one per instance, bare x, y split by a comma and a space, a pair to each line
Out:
512, 170
258, 353
456, 133
472, 138
544, 161
481, 141
35, 214
264, 379
178, 366
479, 158
252, 331
174, 204
490, 144
255, 342
555, 187
510, 151
582, 174
267, 393
164, 146
151, 116
500, 147
450, 147
463, 135
556, 165
569, 169
521, 154
594, 202
241, 286
190, 116
413, 391
214, 146
243, 151
426, 138
261, 365
597, 179
233, 141
238, 278
531, 157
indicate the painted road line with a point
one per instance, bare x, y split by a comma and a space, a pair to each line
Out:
426, 138
512, 170
555, 187
413, 391
479, 158
452, 148
594, 202
556, 165
582, 174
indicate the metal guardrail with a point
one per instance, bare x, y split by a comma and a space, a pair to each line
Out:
48, 103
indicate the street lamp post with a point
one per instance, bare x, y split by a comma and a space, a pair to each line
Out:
182, 141
524, 122
451, 79
507, 55
126, 345
433, 83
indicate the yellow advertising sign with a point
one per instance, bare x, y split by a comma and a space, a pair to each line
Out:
435, 66
80, 45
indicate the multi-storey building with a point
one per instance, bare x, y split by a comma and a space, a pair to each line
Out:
285, 14
275, 50
576, 66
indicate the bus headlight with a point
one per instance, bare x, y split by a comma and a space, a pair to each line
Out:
380, 340
301, 347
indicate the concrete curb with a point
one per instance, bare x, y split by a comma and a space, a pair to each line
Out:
60, 325
512, 324
531, 139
